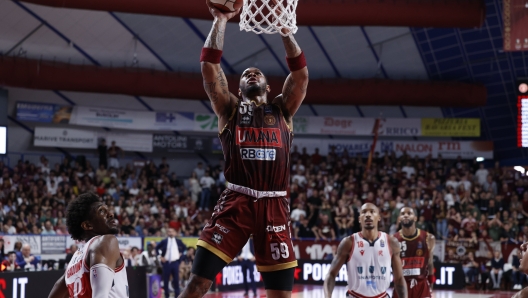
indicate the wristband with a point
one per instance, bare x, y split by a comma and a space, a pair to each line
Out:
432, 278
296, 63
211, 55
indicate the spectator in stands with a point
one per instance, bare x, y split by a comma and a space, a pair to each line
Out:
324, 229
206, 182
186, 266
481, 174
28, 259
303, 230
9, 228
2, 249
48, 228
69, 255
471, 269
409, 170
102, 150
114, 152
11, 262
518, 277
199, 171
497, 265
490, 185
194, 185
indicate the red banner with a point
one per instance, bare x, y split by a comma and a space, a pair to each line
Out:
515, 16
314, 250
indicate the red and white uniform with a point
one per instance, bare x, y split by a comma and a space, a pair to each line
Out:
78, 277
369, 267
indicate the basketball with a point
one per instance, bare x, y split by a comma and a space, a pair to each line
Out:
227, 5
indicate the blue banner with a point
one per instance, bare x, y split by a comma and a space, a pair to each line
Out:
43, 112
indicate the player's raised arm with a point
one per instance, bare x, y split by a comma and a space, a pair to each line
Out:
294, 89
400, 286
214, 79
343, 253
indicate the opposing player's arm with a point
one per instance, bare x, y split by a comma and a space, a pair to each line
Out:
343, 253
214, 79
431, 241
60, 290
103, 258
523, 267
294, 89
521, 294
400, 286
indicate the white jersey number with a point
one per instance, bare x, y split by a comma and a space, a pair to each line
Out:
279, 250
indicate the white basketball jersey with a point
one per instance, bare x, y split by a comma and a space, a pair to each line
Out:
369, 266
78, 277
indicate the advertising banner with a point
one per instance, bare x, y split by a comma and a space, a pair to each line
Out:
457, 251
32, 240
65, 138
86, 139
451, 127
42, 112
448, 149
54, 244
313, 250
129, 242
154, 286
137, 120
178, 144
232, 278
206, 122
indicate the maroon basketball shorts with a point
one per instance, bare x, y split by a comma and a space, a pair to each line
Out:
236, 216
416, 288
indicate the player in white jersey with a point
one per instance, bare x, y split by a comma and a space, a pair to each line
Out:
369, 255
97, 270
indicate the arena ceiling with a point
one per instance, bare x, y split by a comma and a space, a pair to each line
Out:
115, 39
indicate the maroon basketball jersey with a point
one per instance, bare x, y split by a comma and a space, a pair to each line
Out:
414, 254
256, 143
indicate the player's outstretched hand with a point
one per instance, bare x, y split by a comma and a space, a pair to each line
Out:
524, 246
221, 15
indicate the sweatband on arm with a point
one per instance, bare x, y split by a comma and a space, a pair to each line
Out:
211, 55
101, 279
431, 278
296, 63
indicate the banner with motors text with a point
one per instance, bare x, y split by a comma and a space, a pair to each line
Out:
448, 149
86, 139
164, 144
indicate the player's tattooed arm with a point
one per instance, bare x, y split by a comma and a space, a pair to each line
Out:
431, 241
214, 79
343, 253
400, 286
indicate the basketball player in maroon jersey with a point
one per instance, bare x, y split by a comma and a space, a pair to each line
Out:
256, 136
417, 255
96, 270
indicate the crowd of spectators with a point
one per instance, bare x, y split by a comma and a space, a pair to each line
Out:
453, 199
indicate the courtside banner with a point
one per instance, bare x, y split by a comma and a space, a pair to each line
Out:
42, 112
87, 139
448, 149
33, 240
137, 120
451, 127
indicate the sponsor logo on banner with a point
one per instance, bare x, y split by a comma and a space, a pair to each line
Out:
53, 244
450, 127
66, 138
165, 117
33, 240
300, 124
42, 112
174, 143
258, 153
129, 242
267, 137
205, 122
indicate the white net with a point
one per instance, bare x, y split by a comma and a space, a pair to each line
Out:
269, 16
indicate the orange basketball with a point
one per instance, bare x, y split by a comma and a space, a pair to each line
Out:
227, 5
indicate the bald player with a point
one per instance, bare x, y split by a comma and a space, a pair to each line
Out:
416, 254
369, 255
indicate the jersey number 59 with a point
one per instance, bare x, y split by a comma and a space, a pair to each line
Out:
279, 250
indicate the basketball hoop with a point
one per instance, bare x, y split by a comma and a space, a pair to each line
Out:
269, 16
